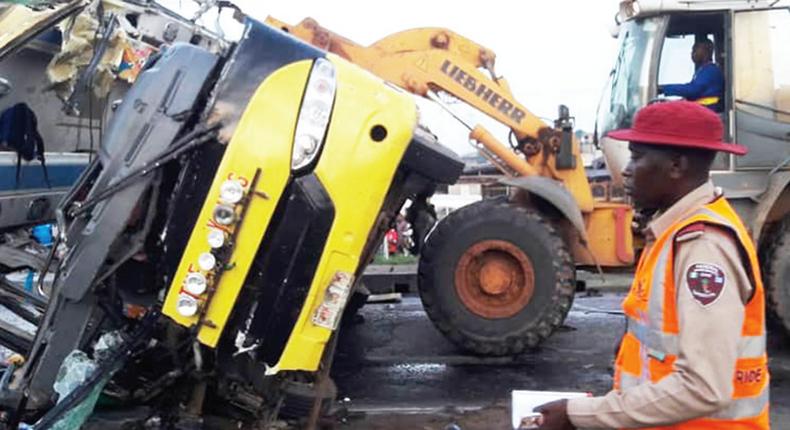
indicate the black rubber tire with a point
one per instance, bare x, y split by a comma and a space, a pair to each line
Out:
299, 398
776, 273
528, 230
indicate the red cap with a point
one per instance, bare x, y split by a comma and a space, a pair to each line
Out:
679, 123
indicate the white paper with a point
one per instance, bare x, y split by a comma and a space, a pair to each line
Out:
525, 401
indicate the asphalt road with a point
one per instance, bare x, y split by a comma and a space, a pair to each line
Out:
397, 371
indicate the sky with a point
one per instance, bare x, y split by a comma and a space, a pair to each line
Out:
551, 52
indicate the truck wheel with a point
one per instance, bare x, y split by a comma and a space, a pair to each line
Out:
496, 278
776, 274
300, 396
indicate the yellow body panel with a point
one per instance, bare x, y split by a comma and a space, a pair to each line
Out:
356, 172
262, 140
575, 180
610, 238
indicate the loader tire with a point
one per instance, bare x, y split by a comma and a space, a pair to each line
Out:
776, 274
496, 278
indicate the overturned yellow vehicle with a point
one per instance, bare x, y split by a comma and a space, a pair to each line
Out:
206, 255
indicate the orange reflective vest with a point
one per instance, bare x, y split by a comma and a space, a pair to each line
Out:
649, 348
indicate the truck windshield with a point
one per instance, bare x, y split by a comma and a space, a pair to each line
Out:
629, 80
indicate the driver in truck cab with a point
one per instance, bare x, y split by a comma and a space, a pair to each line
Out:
707, 84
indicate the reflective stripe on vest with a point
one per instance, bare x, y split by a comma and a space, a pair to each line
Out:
651, 345
748, 346
708, 101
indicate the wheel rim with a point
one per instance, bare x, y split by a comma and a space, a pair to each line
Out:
494, 279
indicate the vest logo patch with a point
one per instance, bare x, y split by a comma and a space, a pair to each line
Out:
705, 282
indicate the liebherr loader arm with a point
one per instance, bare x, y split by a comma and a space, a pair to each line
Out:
426, 61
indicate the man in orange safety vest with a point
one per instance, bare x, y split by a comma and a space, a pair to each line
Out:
693, 355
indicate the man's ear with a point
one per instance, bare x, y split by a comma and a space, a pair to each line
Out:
678, 166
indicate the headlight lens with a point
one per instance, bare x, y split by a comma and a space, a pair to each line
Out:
195, 284
231, 192
224, 215
187, 305
629, 9
216, 238
206, 261
314, 113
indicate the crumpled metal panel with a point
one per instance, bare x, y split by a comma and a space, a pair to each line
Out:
147, 122
79, 40
19, 23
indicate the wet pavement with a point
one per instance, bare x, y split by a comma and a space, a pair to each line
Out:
399, 372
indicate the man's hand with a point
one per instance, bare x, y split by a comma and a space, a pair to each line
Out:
555, 416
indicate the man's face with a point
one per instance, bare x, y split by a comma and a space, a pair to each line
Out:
647, 177
699, 53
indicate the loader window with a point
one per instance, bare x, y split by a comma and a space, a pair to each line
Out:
761, 92
686, 73
629, 81
676, 66
762, 63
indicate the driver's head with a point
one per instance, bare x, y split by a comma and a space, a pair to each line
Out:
702, 51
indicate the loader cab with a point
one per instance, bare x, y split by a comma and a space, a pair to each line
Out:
751, 51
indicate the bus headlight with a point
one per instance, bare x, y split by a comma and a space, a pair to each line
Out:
224, 215
314, 114
195, 283
231, 192
216, 238
187, 305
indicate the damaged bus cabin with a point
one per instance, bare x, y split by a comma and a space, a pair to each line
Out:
204, 257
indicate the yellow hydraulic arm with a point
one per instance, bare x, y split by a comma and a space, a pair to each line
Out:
426, 61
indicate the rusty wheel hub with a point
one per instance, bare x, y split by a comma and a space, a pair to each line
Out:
494, 279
